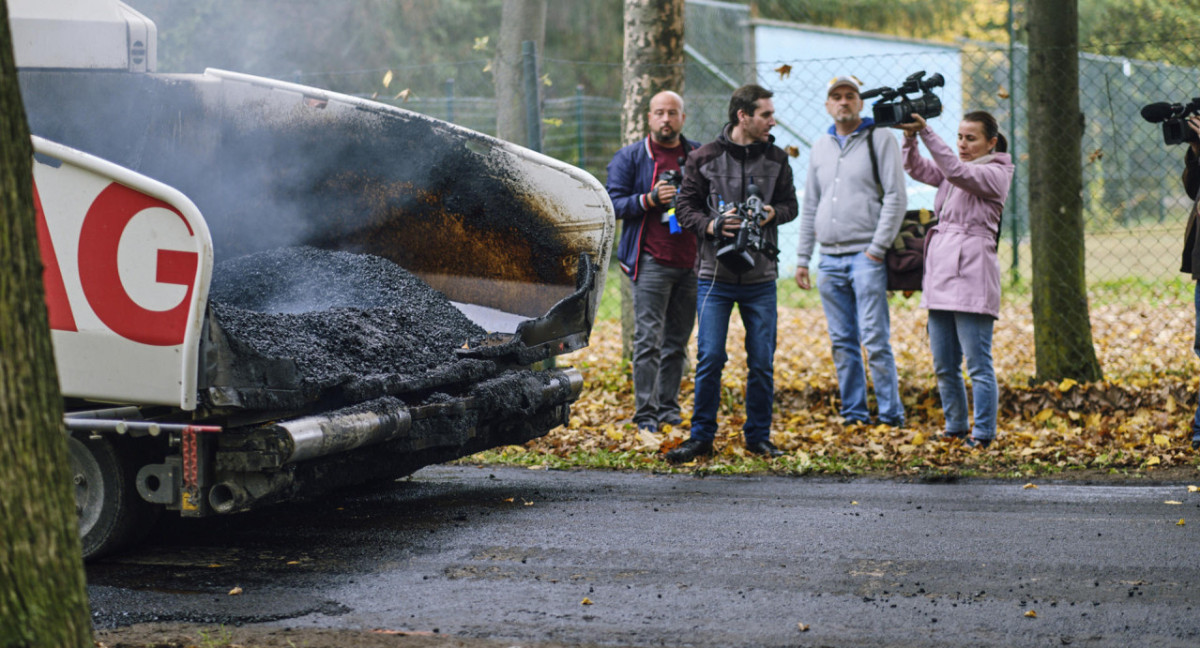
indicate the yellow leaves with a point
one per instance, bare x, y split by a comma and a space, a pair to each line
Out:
480, 44
552, 121
1122, 422
403, 95
784, 71
1003, 93
1029, 486
648, 440
1095, 155
792, 151
1173, 502
586, 601
387, 78
1180, 522
235, 591
1193, 489
1031, 614
802, 627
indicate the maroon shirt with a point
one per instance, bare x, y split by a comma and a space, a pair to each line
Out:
671, 250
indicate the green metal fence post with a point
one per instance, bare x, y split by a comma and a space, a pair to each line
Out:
533, 122
1014, 210
450, 100
579, 142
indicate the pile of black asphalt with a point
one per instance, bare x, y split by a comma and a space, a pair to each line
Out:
355, 323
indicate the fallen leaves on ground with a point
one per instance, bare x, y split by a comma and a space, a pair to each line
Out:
1138, 418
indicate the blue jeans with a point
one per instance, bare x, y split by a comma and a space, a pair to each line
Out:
1196, 348
664, 309
854, 296
951, 336
714, 305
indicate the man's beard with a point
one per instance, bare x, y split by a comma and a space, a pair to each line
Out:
670, 136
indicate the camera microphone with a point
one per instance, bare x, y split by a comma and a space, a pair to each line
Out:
754, 203
871, 94
1159, 111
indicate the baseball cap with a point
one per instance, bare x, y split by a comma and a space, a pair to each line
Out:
847, 80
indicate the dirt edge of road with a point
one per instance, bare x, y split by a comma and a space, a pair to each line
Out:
186, 635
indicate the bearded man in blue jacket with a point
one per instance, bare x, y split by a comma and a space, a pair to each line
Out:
658, 257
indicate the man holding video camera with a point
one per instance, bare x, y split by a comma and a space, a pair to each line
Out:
739, 183
854, 202
1191, 243
658, 258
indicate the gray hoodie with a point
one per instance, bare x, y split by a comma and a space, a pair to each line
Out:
842, 206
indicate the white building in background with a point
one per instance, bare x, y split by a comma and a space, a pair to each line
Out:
815, 55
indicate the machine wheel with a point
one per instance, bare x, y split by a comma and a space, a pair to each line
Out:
111, 513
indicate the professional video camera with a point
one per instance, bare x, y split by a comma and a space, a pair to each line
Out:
735, 252
901, 112
1173, 116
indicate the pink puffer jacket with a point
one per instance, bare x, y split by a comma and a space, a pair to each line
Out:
962, 272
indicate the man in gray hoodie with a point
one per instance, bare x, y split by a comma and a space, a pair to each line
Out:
853, 204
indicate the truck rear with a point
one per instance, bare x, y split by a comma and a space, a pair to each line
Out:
259, 290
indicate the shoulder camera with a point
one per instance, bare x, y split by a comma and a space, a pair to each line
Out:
1173, 117
889, 110
735, 252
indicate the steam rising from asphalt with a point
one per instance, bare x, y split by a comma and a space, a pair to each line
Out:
353, 323
304, 280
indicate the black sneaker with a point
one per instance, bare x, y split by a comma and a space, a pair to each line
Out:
689, 450
955, 435
972, 442
1196, 444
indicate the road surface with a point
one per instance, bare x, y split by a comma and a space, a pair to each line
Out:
636, 559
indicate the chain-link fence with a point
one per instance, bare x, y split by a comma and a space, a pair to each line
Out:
1134, 206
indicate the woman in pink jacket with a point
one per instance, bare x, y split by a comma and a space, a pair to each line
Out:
961, 287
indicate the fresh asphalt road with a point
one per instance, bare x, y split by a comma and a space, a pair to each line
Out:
636, 559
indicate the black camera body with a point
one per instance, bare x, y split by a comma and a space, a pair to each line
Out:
675, 179
735, 253
901, 111
1174, 120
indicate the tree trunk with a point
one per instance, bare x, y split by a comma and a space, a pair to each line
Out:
43, 600
520, 21
1062, 329
653, 63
